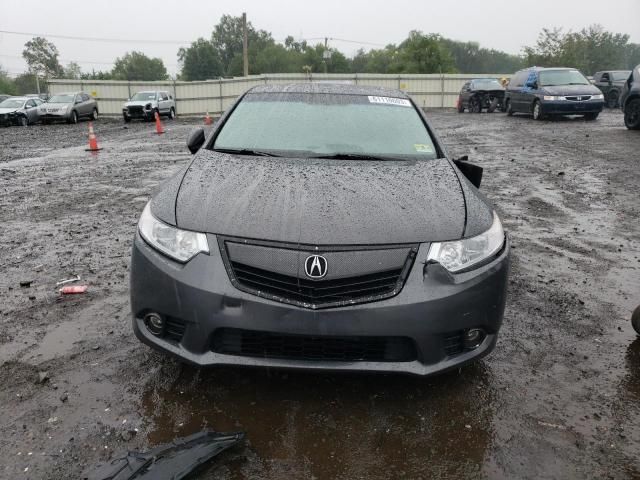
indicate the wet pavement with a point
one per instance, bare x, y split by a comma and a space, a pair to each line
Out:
558, 398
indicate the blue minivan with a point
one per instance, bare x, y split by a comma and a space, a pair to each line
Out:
544, 92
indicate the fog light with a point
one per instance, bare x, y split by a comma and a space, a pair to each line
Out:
154, 323
473, 338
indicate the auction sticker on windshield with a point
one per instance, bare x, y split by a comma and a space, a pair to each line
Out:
390, 101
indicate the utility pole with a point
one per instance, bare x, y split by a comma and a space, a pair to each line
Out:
245, 46
325, 55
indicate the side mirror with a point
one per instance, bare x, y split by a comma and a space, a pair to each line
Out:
469, 170
196, 139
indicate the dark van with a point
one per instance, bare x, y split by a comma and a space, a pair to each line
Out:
543, 92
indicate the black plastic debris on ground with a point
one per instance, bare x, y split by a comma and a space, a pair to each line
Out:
172, 461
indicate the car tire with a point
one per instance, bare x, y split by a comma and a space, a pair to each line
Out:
632, 114
508, 108
591, 116
172, 114
94, 114
126, 118
475, 106
23, 121
613, 99
73, 118
536, 110
635, 319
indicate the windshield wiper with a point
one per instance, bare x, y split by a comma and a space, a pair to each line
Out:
246, 151
352, 156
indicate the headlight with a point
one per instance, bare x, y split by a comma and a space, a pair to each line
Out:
598, 97
550, 97
463, 254
181, 245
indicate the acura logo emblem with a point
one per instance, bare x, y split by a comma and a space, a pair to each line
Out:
315, 266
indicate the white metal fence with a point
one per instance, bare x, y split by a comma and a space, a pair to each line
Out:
215, 96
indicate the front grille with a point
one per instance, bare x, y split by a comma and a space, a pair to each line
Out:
316, 293
352, 274
252, 343
174, 329
453, 343
579, 98
135, 110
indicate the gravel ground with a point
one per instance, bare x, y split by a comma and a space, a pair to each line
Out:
559, 397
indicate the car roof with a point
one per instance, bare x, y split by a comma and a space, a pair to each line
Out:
330, 88
540, 69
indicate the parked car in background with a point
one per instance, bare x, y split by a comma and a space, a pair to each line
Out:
3, 97
41, 96
630, 100
19, 111
611, 83
481, 93
544, 92
144, 105
69, 107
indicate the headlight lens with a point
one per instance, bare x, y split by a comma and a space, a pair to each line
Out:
181, 245
463, 254
598, 97
550, 97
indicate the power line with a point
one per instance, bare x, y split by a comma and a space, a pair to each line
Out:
99, 39
81, 62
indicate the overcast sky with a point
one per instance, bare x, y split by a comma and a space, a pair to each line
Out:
495, 24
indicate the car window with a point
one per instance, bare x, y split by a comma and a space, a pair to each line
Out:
550, 78
518, 79
605, 77
64, 98
31, 103
11, 103
303, 124
487, 84
466, 86
38, 101
164, 96
618, 76
141, 96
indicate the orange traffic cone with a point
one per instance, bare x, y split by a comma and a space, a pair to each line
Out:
159, 127
93, 141
207, 119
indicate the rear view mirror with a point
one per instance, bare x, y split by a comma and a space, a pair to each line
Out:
469, 170
196, 139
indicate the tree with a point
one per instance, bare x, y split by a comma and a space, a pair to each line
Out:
201, 61
137, 66
589, 50
42, 57
423, 54
73, 71
7, 85
227, 40
25, 83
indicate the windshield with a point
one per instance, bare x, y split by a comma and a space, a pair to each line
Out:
296, 124
550, 78
140, 96
62, 99
11, 103
488, 84
617, 76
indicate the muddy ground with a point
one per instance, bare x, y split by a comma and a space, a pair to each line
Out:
559, 397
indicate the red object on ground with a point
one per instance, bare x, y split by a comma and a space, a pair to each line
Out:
93, 141
207, 119
159, 127
70, 289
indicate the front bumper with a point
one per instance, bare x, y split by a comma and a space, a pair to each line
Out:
570, 107
429, 309
140, 114
55, 116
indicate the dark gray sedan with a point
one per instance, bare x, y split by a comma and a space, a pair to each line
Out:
321, 226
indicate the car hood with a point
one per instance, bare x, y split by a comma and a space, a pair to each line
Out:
313, 201
573, 90
8, 110
54, 105
139, 103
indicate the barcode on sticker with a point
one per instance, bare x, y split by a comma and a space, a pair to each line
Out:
401, 102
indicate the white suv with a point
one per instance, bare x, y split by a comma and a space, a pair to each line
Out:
144, 105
